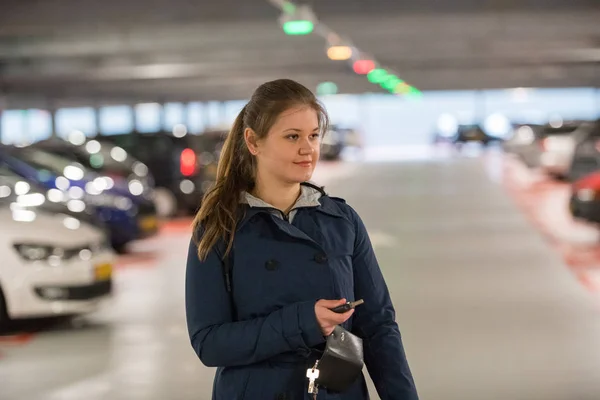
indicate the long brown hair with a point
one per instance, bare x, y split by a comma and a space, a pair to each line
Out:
218, 215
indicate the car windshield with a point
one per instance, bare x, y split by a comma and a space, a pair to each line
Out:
109, 157
44, 160
11, 183
467, 127
563, 130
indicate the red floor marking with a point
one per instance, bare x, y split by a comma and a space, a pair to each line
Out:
545, 204
179, 225
139, 260
16, 340
588, 280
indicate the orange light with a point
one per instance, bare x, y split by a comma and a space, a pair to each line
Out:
402, 88
339, 53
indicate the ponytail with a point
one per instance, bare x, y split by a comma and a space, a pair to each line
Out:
217, 217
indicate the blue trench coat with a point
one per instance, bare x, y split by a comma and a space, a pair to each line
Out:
279, 270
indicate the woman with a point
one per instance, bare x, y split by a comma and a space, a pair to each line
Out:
272, 254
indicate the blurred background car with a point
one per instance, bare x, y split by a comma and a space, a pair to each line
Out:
524, 144
466, 133
29, 193
183, 167
127, 216
52, 263
118, 168
558, 143
586, 158
334, 142
585, 199
108, 160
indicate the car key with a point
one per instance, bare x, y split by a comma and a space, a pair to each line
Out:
312, 374
347, 307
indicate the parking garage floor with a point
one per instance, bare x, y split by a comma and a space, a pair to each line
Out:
488, 306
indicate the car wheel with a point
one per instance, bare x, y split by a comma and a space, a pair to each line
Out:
165, 202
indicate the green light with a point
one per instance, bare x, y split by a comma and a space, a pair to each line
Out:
414, 94
298, 27
390, 82
327, 88
378, 75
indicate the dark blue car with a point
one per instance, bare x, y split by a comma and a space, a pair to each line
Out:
126, 217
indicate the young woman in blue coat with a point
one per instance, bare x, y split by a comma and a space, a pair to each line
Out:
271, 256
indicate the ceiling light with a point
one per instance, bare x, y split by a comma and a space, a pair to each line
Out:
377, 75
339, 53
363, 67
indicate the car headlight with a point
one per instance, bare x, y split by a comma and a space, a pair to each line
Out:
55, 255
35, 252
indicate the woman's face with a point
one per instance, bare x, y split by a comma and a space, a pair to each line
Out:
290, 151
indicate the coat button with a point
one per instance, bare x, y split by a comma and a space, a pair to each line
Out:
321, 258
272, 265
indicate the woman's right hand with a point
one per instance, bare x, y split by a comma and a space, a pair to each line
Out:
326, 318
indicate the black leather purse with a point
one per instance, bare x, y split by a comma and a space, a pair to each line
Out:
342, 361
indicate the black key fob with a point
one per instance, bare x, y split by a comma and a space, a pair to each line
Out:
347, 307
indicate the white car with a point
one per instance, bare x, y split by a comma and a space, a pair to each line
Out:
525, 144
52, 263
558, 146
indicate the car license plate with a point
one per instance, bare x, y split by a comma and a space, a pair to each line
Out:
103, 272
148, 224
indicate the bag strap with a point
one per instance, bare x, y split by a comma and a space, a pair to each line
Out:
226, 266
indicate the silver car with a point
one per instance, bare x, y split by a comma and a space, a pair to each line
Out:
558, 146
525, 144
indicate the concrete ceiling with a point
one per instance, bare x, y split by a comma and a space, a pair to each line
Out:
83, 51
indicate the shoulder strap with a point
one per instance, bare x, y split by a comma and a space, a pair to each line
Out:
227, 267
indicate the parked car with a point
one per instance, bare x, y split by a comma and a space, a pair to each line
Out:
52, 263
108, 160
183, 167
524, 144
467, 133
558, 145
334, 142
585, 198
586, 158
82, 189
31, 193
126, 175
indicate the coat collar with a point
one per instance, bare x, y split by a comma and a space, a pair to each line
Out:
311, 196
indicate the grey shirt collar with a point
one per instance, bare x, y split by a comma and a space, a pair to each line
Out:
309, 197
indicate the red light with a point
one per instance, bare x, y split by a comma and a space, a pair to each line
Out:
363, 67
187, 162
